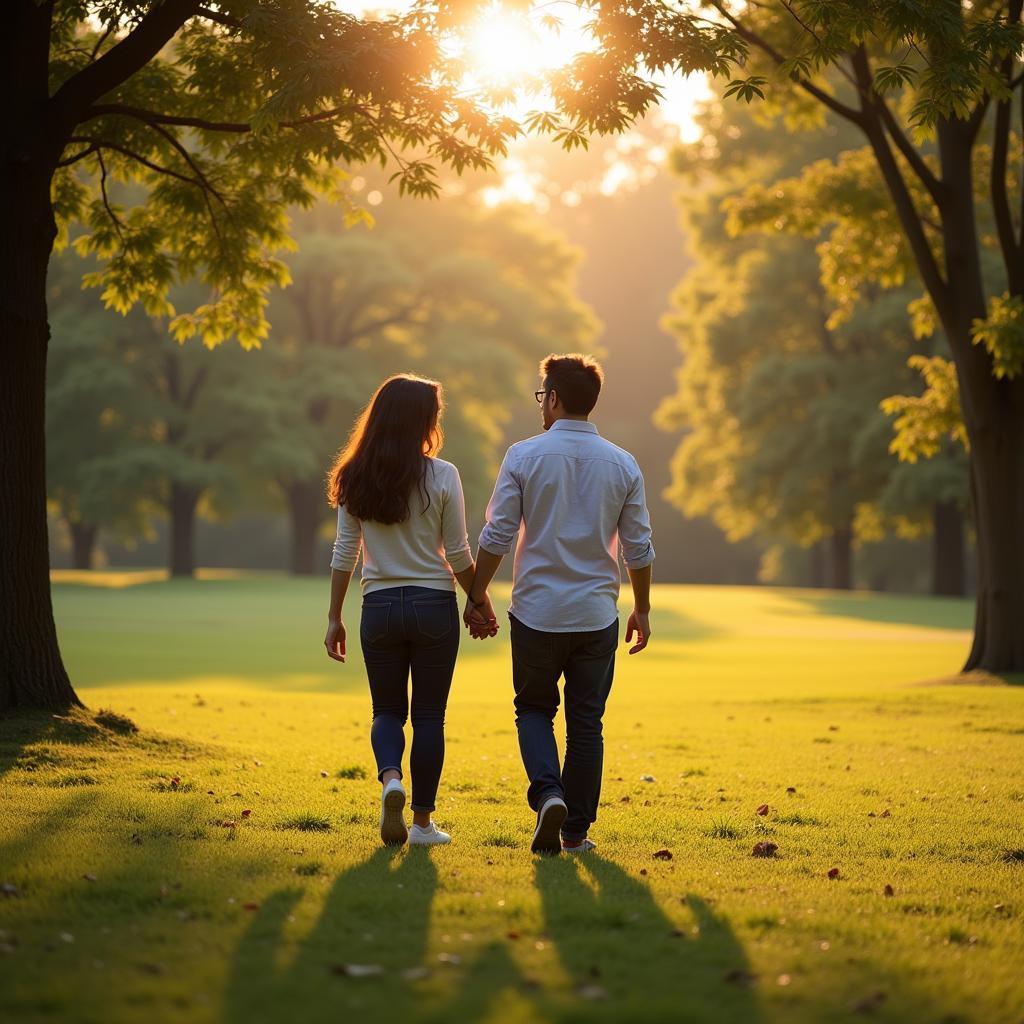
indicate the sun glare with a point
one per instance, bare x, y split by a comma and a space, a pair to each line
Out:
503, 47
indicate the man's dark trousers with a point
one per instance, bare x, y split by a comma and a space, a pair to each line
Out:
587, 660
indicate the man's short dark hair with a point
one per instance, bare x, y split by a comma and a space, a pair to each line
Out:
577, 379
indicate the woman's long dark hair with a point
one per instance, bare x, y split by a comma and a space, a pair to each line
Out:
386, 457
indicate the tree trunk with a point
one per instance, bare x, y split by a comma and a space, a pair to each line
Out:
83, 543
841, 544
306, 507
997, 485
993, 411
948, 577
32, 674
182, 507
817, 559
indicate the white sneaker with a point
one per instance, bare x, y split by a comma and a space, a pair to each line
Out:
547, 837
584, 847
392, 821
429, 836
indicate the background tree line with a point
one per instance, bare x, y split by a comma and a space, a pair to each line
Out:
143, 428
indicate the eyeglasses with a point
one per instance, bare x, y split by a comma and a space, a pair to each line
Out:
539, 395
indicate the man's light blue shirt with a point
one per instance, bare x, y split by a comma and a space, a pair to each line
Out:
573, 499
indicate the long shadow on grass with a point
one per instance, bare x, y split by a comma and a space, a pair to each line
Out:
621, 950
377, 913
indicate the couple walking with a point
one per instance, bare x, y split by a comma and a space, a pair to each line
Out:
567, 500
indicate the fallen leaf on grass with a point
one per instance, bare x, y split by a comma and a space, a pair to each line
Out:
765, 848
783, 980
358, 970
763, 810
833, 873
886, 813
591, 992
227, 823
512, 935
740, 976
647, 778
10, 889
643, 871
452, 959
624, 800
89, 877
323, 774
869, 1004
246, 813
250, 906
889, 891
791, 789
663, 855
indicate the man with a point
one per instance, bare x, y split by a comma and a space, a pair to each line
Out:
577, 499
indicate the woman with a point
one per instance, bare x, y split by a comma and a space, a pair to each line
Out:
405, 508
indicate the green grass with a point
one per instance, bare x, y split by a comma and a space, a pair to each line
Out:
139, 888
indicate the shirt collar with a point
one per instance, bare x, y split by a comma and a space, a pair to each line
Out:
583, 426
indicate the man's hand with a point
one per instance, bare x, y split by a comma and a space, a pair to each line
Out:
639, 623
335, 640
480, 619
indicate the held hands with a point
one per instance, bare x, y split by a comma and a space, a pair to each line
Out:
335, 640
480, 619
639, 623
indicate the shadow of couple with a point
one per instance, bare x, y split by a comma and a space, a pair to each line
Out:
619, 956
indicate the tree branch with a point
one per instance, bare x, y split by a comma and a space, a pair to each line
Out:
131, 154
836, 106
115, 220
219, 17
81, 155
862, 69
157, 27
153, 117
1000, 193
900, 194
186, 156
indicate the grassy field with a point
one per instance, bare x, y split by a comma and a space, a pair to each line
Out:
222, 862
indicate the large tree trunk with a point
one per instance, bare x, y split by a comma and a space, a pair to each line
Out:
83, 543
182, 506
31, 671
817, 564
306, 509
997, 485
841, 544
948, 577
993, 411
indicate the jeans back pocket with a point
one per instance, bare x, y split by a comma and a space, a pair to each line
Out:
434, 618
375, 621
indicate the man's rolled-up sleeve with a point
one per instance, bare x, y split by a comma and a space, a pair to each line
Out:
504, 510
635, 527
348, 541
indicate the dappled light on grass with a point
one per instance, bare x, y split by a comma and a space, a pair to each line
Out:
234, 867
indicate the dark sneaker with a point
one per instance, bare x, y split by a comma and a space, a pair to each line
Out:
548, 835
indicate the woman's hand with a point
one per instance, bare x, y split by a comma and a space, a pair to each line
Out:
480, 618
335, 639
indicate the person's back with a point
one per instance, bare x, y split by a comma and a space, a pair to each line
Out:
581, 496
568, 500
403, 508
